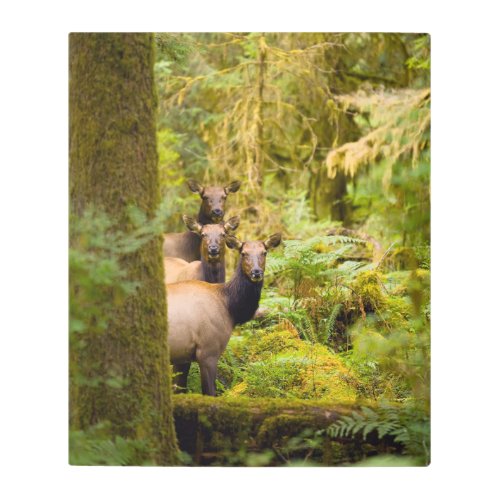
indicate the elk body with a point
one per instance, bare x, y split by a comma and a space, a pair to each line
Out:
212, 266
201, 316
186, 245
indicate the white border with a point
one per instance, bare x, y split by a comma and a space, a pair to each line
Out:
34, 210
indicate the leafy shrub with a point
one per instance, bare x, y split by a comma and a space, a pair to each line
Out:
94, 446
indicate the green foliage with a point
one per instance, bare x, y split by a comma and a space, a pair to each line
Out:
94, 446
174, 48
276, 362
421, 59
409, 426
95, 273
97, 281
304, 264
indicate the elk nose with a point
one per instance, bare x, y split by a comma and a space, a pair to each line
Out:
213, 250
256, 274
217, 212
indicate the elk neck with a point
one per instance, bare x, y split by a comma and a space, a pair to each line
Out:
242, 296
193, 240
203, 218
213, 272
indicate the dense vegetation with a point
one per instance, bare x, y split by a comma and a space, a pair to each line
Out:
329, 134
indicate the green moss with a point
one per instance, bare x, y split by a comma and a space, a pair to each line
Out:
280, 364
334, 453
269, 343
401, 258
279, 428
403, 282
397, 312
368, 288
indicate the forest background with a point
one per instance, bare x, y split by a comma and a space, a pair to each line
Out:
330, 135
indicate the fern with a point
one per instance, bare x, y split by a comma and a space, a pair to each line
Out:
409, 427
315, 250
330, 322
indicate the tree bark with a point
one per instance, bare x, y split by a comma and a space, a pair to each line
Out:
114, 164
259, 115
329, 196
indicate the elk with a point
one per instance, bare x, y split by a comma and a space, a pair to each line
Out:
212, 266
186, 245
201, 316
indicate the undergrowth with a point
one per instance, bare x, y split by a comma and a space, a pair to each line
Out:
336, 329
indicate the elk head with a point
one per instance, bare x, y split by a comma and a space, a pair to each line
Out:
253, 255
213, 199
212, 236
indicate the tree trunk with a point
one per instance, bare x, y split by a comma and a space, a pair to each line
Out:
330, 195
113, 164
259, 116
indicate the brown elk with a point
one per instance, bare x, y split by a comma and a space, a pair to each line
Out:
201, 316
212, 266
186, 245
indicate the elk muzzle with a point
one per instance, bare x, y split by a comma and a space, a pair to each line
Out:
217, 214
256, 275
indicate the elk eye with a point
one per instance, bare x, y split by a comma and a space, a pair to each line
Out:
265, 253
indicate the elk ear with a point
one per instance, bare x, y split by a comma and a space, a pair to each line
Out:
233, 242
233, 187
192, 224
195, 186
232, 224
273, 241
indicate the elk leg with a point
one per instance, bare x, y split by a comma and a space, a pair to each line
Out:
181, 377
208, 371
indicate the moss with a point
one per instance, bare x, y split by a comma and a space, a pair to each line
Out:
273, 342
279, 428
397, 313
280, 364
402, 282
321, 248
400, 259
368, 288
334, 453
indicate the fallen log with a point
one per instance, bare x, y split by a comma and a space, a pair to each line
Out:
353, 233
223, 431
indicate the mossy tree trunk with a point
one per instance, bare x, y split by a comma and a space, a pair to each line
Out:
329, 196
113, 164
259, 115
